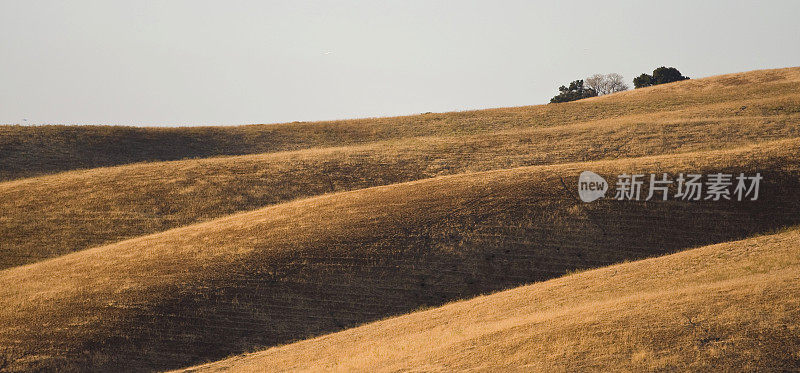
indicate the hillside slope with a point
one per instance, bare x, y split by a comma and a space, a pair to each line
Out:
732, 306
322, 264
32, 151
56, 214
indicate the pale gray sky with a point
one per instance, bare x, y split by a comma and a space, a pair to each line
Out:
193, 62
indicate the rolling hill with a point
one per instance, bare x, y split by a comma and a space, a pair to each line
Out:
31, 151
728, 306
149, 249
325, 263
53, 215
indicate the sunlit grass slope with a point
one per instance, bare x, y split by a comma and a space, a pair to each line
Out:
53, 215
727, 307
30, 151
302, 268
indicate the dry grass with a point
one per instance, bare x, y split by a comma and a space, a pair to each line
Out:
166, 264
732, 307
53, 215
322, 264
31, 151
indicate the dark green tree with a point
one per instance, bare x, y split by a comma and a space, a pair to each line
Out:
644, 80
663, 75
575, 91
660, 75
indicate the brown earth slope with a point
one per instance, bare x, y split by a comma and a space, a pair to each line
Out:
317, 265
727, 307
53, 215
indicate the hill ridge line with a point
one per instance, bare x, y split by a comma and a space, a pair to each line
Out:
603, 122
322, 197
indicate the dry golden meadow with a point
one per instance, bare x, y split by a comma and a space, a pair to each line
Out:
434, 242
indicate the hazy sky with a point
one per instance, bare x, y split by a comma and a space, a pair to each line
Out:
234, 62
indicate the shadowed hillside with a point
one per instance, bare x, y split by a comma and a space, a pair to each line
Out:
728, 306
30, 151
322, 264
53, 215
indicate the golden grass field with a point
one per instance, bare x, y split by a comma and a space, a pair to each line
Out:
56, 214
734, 306
153, 249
